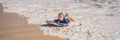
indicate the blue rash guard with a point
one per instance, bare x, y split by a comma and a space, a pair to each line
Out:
62, 22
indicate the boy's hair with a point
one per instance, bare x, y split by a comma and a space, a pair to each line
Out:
60, 14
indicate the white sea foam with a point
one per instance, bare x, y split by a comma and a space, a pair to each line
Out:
99, 18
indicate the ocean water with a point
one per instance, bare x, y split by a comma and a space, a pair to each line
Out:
99, 19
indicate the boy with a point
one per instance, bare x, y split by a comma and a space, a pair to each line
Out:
63, 20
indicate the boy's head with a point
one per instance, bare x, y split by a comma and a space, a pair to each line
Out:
61, 16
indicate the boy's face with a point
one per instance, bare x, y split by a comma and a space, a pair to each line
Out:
60, 17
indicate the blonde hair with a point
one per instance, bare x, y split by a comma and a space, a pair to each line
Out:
61, 14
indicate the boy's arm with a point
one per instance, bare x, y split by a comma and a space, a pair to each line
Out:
70, 17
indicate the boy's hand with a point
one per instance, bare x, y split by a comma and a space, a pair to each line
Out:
67, 15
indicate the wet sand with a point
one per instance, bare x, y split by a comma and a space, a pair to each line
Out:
14, 27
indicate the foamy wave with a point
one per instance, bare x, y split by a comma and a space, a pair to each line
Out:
99, 19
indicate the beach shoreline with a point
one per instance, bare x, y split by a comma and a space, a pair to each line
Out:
15, 27
99, 18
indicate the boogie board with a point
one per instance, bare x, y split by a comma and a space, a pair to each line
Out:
52, 23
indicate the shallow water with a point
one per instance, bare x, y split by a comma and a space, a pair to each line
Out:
99, 19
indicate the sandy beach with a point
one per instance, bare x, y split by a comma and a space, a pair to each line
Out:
14, 27
21, 19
